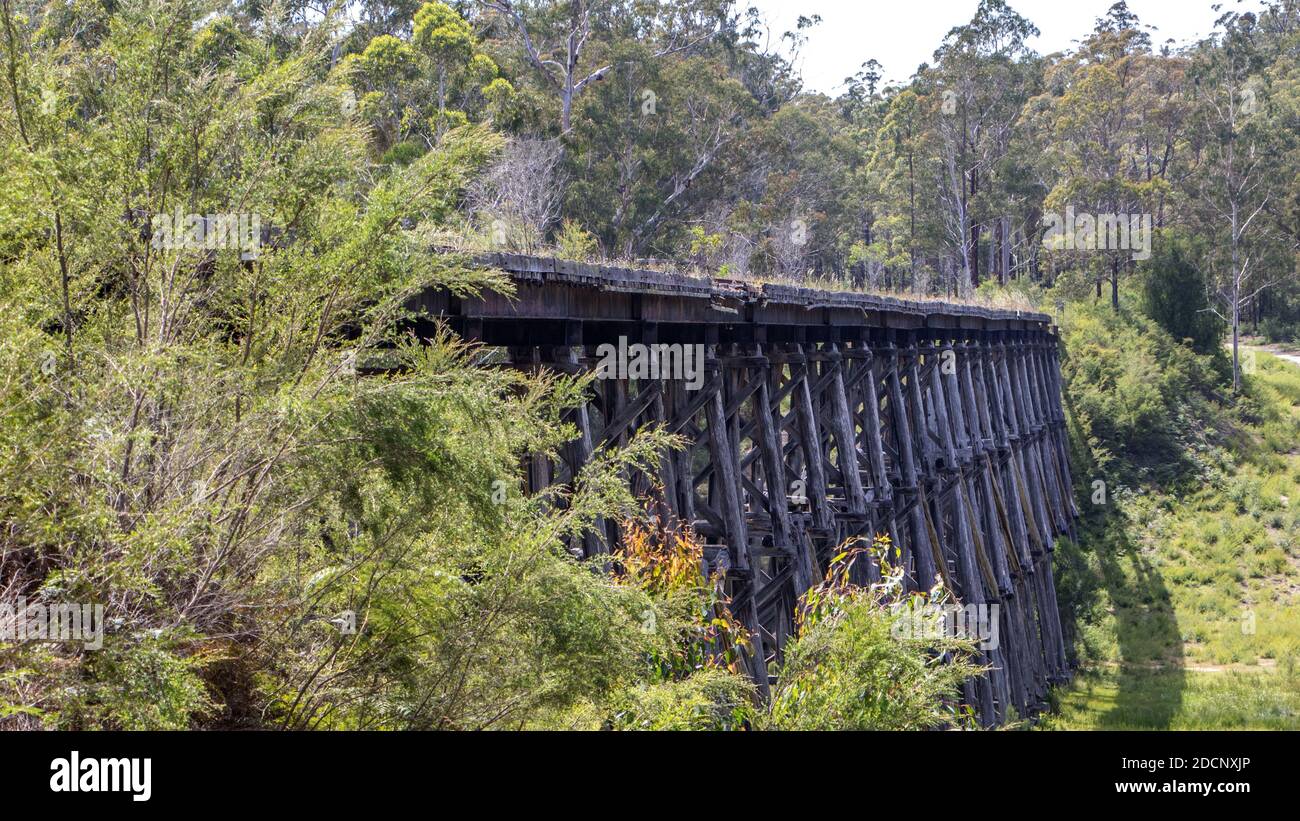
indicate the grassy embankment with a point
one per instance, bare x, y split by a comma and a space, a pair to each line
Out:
1182, 592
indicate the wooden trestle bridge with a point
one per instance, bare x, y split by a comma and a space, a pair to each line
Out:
818, 417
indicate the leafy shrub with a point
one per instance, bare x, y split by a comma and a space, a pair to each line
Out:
1174, 293
691, 613
846, 669
1131, 389
141, 684
707, 700
402, 154
204, 460
575, 242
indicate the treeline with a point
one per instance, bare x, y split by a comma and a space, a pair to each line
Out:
679, 130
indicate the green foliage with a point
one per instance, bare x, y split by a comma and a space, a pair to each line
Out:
575, 242
402, 154
388, 58
219, 42
415, 91
443, 34
1130, 387
1174, 294
1177, 594
710, 700
142, 683
850, 669
184, 437
498, 93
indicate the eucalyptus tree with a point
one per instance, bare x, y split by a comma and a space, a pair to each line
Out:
1235, 147
566, 43
1099, 147
982, 75
897, 161
446, 39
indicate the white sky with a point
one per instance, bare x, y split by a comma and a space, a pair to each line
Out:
902, 34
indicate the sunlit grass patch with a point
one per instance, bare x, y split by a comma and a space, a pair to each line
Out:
1178, 699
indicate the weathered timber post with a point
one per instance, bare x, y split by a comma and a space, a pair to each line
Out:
809, 441
727, 501
785, 541
846, 446
864, 376
913, 491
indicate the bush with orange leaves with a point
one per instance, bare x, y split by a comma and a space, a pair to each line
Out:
692, 616
845, 668
692, 679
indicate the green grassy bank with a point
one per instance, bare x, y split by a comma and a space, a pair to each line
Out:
1181, 593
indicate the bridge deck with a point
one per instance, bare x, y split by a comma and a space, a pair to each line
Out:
677, 308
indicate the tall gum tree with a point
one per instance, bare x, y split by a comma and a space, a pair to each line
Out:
980, 80
1230, 186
